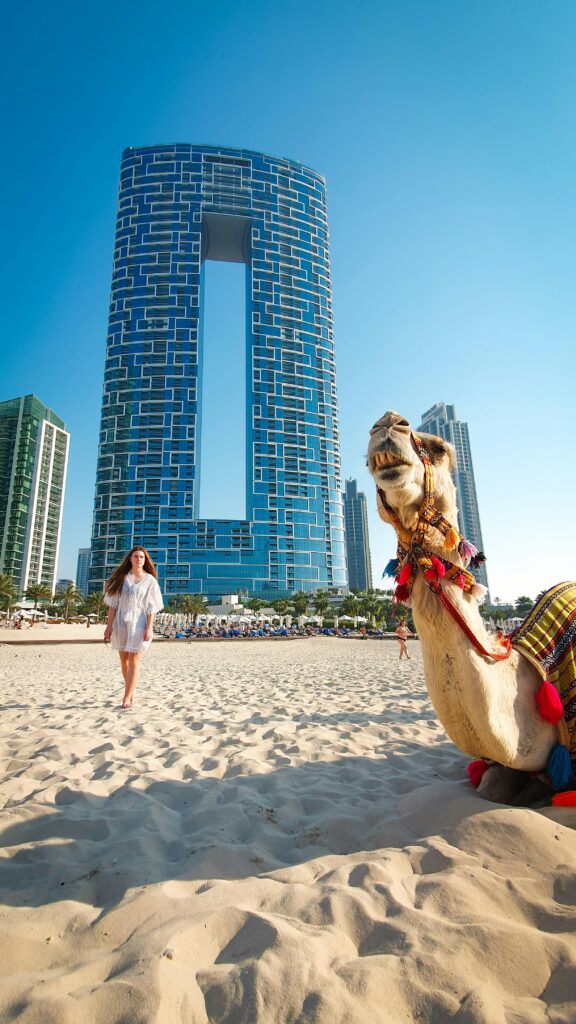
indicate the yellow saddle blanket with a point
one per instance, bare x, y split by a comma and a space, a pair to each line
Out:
547, 637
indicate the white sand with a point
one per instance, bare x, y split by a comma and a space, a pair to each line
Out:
278, 832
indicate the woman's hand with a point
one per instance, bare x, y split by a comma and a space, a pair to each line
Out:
107, 633
147, 633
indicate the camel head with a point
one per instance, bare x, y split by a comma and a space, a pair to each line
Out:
398, 471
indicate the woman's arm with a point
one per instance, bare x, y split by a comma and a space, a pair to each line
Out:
109, 623
148, 630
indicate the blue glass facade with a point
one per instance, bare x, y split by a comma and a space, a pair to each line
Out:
179, 206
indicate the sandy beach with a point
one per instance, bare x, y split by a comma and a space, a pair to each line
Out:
277, 832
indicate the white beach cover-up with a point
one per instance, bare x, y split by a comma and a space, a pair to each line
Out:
136, 600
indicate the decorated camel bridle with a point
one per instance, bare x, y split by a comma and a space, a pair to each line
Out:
413, 557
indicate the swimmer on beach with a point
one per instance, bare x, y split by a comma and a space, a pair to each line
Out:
402, 632
133, 597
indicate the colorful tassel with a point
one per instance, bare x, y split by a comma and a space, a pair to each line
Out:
439, 567
548, 702
479, 592
391, 568
401, 593
567, 799
452, 538
460, 581
405, 573
476, 770
559, 766
467, 551
477, 559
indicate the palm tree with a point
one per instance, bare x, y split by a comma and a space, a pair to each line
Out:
321, 603
522, 606
369, 606
8, 591
281, 605
300, 602
38, 592
193, 604
385, 611
94, 605
68, 598
254, 604
349, 606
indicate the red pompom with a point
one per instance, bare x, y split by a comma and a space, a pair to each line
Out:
430, 575
548, 702
439, 567
460, 581
401, 593
476, 770
404, 574
567, 799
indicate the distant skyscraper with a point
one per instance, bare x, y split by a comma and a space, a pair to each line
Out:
33, 464
441, 420
179, 206
356, 533
82, 570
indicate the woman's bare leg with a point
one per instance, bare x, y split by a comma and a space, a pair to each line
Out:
124, 664
131, 678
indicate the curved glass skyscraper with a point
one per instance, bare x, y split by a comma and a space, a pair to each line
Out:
179, 206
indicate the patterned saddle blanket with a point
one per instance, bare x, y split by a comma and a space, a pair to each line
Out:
547, 637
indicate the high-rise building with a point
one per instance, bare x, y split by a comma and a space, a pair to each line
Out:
33, 463
441, 420
179, 206
82, 570
356, 533
63, 583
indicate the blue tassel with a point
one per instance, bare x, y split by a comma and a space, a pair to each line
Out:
559, 766
392, 567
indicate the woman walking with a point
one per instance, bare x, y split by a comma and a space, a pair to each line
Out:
403, 633
133, 597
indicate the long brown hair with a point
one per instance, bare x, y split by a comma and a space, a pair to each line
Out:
116, 581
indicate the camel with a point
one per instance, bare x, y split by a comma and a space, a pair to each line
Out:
486, 706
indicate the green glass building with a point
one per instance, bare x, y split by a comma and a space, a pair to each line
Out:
33, 463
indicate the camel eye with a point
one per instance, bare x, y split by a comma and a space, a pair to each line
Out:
402, 423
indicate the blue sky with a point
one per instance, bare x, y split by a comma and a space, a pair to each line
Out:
445, 131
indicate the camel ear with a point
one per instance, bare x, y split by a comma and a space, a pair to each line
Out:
438, 449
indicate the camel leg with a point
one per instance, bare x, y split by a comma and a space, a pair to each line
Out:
519, 789
536, 793
502, 785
